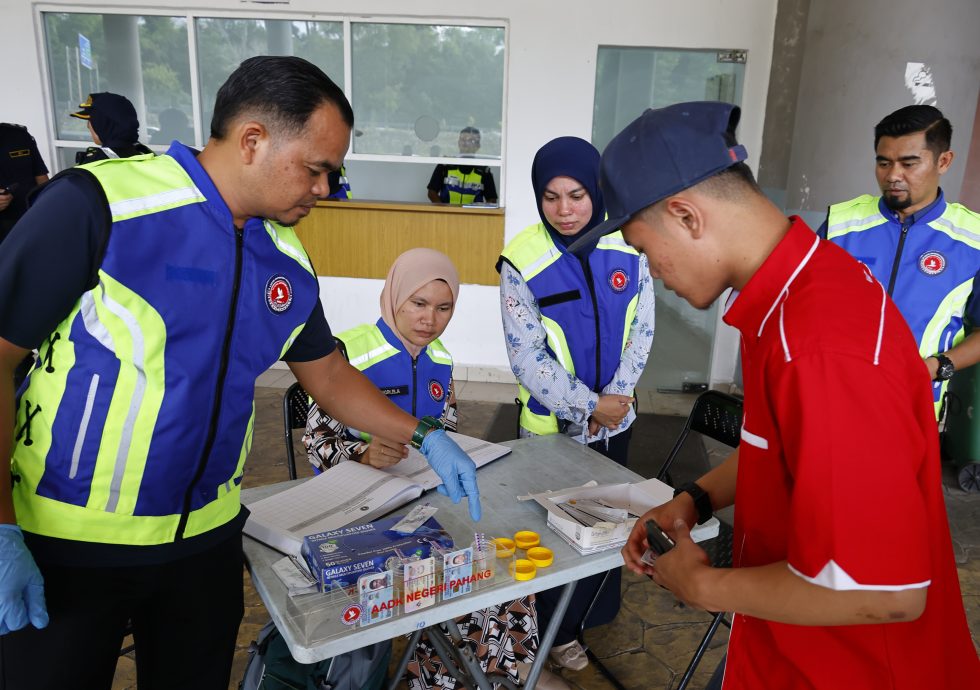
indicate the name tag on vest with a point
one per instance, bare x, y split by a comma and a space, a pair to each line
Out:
395, 390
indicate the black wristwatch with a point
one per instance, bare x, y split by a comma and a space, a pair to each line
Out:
702, 501
946, 369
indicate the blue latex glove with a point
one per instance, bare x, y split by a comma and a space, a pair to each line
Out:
454, 467
21, 585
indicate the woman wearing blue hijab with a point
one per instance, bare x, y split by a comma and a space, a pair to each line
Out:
579, 328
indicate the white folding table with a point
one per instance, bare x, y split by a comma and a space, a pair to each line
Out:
312, 627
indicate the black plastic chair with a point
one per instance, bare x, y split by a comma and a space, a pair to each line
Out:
295, 408
718, 416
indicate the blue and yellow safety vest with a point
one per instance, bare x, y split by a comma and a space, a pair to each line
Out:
339, 185
462, 188
928, 266
419, 386
136, 428
586, 309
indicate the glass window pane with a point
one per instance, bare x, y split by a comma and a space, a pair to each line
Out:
416, 86
630, 80
142, 58
222, 45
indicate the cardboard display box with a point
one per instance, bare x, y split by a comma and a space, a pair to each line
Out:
341, 556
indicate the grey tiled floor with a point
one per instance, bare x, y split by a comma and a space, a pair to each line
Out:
650, 642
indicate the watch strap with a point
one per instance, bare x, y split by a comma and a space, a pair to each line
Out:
702, 501
425, 425
946, 368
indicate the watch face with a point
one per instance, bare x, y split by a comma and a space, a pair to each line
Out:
945, 371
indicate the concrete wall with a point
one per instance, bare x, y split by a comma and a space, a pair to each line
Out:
550, 88
853, 74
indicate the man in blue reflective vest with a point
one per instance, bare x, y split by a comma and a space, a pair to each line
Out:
923, 249
463, 184
175, 281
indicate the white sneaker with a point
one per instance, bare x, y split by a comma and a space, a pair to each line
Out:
571, 656
551, 681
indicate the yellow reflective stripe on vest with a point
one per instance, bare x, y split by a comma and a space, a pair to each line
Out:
374, 356
230, 486
291, 339
531, 251
80, 524
959, 223
161, 184
540, 424
438, 353
951, 306
558, 343
130, 208
615, 242
121, 320
286, 241
854, 216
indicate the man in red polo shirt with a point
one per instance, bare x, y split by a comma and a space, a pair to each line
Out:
843, 566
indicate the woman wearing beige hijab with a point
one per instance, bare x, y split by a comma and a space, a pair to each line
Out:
402, 356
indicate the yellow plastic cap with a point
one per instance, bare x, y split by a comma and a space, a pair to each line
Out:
505, 547
541, 556
523, 569
525, 539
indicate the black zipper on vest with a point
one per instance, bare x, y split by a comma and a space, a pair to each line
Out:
898, 256
415, 384
595, 312
222, 372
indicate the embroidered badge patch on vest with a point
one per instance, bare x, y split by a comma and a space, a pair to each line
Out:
278, 294
618, 280
932, 263
435, 390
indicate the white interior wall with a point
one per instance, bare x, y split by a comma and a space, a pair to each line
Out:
550, 88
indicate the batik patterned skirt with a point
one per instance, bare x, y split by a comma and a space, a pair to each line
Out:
501, 637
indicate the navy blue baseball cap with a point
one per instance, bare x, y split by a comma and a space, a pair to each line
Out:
662, 152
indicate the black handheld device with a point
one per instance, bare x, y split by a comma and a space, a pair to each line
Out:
658, 540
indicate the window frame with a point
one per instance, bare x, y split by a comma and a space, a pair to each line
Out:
191, 17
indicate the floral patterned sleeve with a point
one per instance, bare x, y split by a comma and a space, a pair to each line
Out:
551, 385
327, 440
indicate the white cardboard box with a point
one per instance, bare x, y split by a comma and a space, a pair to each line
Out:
636, 498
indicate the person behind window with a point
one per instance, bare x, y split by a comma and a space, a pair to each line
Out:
579, 329
463, 184
339, 184
402, 355
174, 126
114, 127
